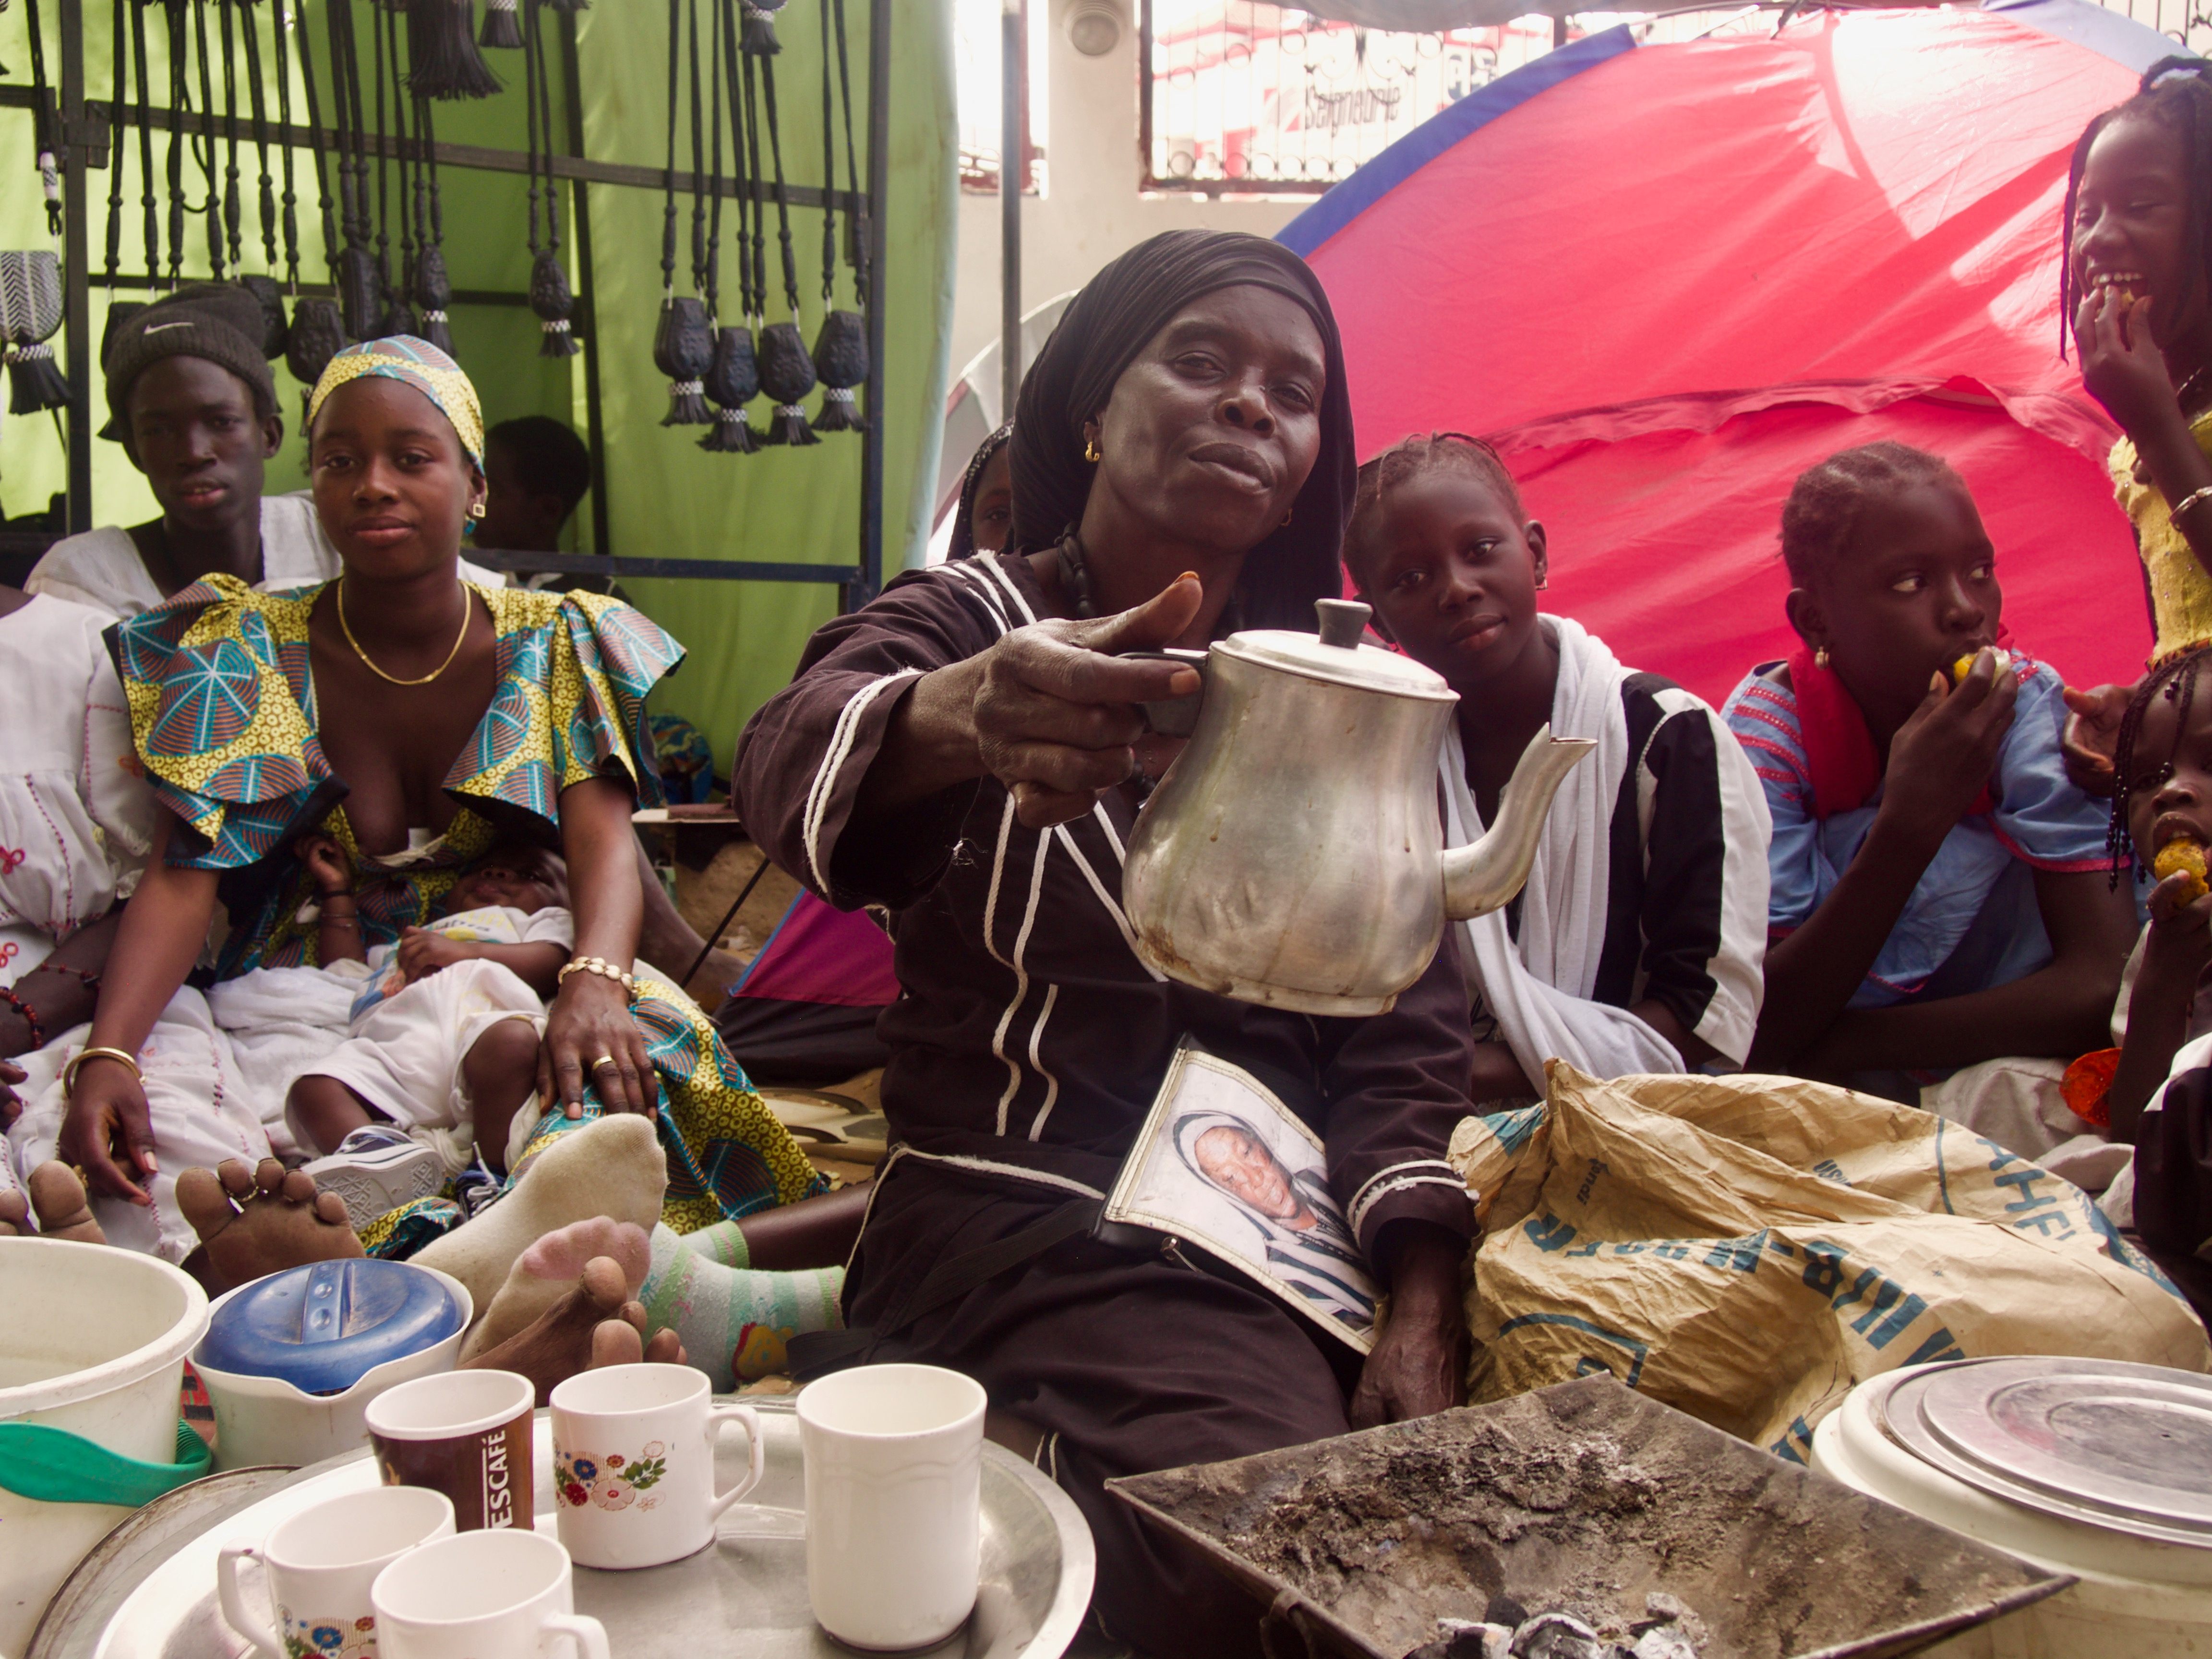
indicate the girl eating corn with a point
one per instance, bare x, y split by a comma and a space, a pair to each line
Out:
1940, 890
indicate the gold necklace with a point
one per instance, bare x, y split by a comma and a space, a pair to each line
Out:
393, 680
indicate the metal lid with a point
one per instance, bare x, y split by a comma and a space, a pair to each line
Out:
1336, 654
2121, 1446
324, 1327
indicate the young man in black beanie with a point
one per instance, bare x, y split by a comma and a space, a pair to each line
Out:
195, 404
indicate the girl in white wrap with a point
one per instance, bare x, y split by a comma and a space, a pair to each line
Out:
1635, 945
75, 822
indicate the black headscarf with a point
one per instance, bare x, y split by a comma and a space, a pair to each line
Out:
1099, 336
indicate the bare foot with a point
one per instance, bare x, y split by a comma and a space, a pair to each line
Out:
256, 1221
57, 1198
548, 1270
594, 1324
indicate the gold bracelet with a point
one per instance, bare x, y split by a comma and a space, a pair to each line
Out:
2188, 502
599, 965
76, 1062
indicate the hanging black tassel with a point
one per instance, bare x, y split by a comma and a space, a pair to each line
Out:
433, 292
34, 379
501, 26
317, 334
271, 296
758, 34
119, 312
787, 374
684, 350
398, 318
732, 382
360, 293
553, 305
441, 52
840, 362
30, 314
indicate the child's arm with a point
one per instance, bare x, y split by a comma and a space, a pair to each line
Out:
337, 930
423, 953
1938, 762
2174, 954
2059, 1011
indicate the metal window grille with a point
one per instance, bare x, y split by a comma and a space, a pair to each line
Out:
1239, 96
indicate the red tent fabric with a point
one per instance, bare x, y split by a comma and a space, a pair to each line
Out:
1667, 279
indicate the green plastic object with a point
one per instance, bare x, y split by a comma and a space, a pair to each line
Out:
53, 1466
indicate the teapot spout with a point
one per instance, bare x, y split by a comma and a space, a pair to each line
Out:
1485, 875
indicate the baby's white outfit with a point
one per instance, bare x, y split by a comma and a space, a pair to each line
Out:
405, 1042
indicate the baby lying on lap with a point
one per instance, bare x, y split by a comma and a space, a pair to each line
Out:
443, 1039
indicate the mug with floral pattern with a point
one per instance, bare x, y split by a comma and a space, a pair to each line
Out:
634, 1463
319, 1566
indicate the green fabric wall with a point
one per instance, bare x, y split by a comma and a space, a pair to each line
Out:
665, 498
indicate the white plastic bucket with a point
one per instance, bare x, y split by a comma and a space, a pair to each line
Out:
2137, 1597
91, 1340
264, 1419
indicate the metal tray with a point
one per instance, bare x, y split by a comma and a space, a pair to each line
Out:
147, 1592
1582, 1498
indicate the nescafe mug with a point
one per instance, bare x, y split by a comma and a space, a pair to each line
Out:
466, 1434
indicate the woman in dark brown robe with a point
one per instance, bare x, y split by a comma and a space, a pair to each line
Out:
965, 752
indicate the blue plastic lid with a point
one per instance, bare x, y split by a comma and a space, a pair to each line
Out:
324, 1327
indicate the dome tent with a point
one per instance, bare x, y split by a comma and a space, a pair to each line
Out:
1664, 279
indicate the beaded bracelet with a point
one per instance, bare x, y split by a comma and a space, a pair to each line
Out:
599, 965
50, 966
30, 1015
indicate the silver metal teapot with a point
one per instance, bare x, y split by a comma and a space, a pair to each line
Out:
1294, 853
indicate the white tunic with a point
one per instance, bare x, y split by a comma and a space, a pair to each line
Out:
75, 827
76, 818
102, 568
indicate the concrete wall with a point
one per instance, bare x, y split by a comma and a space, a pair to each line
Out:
1093, 209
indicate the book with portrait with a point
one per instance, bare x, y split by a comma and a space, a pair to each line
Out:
1221, 1163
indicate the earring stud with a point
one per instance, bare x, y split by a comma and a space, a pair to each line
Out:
1821, 657
1091, 450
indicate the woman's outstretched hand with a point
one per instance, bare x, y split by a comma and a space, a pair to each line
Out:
2092, 736
1055, 713
590, 1023
107, 1132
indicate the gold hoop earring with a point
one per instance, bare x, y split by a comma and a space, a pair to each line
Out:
1286, 517
1091, 450
1821, 657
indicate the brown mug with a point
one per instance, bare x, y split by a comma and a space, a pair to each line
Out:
466, 1434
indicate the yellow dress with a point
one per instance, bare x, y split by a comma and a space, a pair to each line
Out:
223, 712
2180, 587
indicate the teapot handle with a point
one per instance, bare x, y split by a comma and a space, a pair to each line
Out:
1172, 717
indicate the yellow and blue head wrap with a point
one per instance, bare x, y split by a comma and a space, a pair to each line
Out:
413, 362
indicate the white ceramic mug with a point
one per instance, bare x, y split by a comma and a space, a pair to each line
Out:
505, 1594
319, 1565
466, 1434
894, 1502
634, 1463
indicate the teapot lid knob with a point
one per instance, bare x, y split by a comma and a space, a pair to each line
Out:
1342, 621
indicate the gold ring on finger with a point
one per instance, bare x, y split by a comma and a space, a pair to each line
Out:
604, 1062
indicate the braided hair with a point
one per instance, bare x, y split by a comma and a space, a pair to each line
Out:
1408, 458
1821, 518
2183, 106
2175, 679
